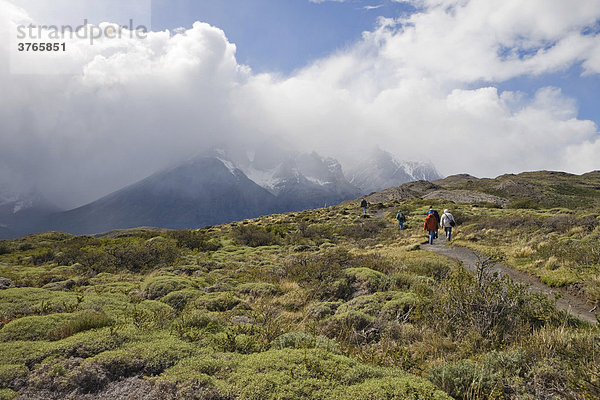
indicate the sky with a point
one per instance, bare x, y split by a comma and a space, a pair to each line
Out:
484, 87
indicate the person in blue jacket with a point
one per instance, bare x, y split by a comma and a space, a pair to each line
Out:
401, 219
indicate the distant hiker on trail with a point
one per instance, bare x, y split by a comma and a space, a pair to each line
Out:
364, 205
401, 219
431, 226
437, 217
448, 223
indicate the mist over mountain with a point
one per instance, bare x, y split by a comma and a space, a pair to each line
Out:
379, 170
21, 213
220, 186
199, 192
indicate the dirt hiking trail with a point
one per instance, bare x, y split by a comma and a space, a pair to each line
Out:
574, 305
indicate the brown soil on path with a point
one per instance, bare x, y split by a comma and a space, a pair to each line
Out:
574, 305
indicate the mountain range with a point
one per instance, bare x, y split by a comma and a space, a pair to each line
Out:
217, 187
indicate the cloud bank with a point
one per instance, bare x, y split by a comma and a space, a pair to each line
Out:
423, 86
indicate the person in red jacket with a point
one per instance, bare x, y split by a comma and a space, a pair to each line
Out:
431, 225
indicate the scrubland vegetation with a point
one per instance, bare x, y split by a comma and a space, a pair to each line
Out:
321, 304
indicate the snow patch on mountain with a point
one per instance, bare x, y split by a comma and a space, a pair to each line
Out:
232, 168
263, 178
379, 170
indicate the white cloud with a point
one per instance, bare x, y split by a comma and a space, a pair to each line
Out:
412, 86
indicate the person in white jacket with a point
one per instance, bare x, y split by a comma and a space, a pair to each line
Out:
447, 222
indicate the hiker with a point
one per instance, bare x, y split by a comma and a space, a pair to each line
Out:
431, 226
364, 204
448, 223
437, 217
401, 219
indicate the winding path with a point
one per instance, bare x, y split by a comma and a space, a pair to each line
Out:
564, 300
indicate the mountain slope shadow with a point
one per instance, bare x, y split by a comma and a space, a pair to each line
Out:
203, 191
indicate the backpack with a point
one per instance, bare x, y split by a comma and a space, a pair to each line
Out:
452, 222
400, 217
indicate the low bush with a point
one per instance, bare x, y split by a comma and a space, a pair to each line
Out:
11, 372
391, 388
149, 358
8, 394
435, 269
195, 240
79, 322
318, 374
156, 287
294, 340
195, 325
524, 203
150, 314
33, 327
466, 380
254, 236
4, 247
219, 301
365, 281
322, 310
363, 229
258, 289
316, 232
180, 298
495, 308
143, 255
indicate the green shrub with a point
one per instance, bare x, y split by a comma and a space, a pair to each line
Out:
363, 229
368, 304
235, 341
196, 324
158, 286
324, 309
79, 322
258, 289
143, 255
10, 372
196, 378
493, 307
195, 240
435, 269
400, 307
524, 203
466, 380
294, 340
8, 394
315, 374
110, 303
33, 327
254, 236
147, 358
42, 256
316, 232
350, 323
219, 301
89, 343
301, 340
180, 298
365, 281
4, 247
391, 388
151, 314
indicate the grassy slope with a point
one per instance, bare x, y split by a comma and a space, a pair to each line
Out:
318, 304
551, 228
